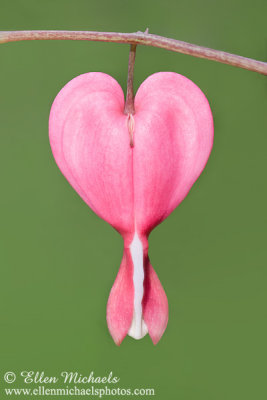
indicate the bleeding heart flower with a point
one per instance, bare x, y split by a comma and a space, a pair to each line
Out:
133, 188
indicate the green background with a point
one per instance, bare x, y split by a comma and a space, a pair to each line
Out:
59, 260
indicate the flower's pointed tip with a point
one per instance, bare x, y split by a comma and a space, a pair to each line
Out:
117, 340
155, 340
117, 334
155, 337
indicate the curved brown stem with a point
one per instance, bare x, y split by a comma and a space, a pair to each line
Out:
146, 39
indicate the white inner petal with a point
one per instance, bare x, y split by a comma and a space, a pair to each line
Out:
138, 327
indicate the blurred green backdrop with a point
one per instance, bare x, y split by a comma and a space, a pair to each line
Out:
59, 260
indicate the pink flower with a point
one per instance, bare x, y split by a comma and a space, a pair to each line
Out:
132, 188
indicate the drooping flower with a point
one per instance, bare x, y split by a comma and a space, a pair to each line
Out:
132, 171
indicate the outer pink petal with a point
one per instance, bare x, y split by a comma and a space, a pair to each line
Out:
173, 139
155, 304
90, 143
120, 302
